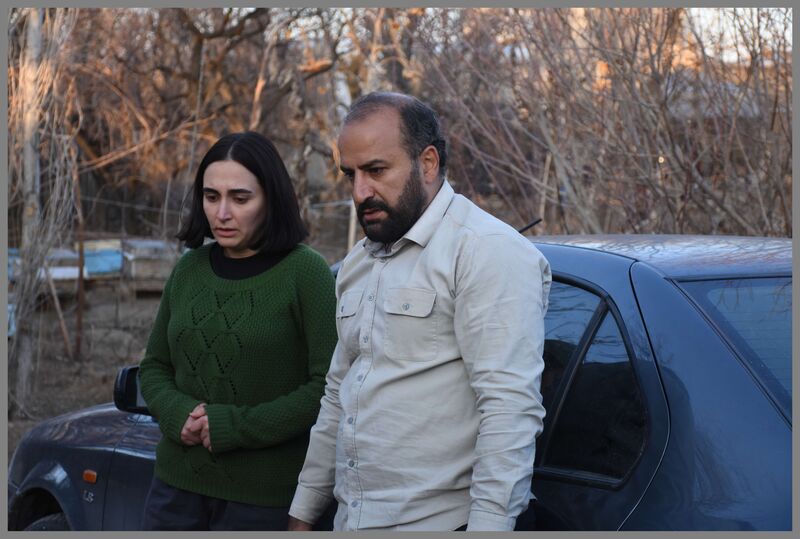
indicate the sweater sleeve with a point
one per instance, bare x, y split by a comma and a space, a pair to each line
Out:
165, 401
293, 414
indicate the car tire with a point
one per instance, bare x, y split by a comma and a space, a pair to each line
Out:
54, 522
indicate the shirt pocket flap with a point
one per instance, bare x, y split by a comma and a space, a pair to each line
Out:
348, 304
409, 301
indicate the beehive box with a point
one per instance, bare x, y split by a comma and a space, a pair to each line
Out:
147, 263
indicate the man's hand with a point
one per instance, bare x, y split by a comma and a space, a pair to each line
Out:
297, 525
191, 431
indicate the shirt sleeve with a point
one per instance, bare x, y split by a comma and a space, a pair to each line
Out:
157, 375
502, 284
290, 415
316, 480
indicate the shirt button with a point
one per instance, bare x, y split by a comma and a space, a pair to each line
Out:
383, 261
365, 339
406, 306
349, 420
351, 463
360, 377
341, 309
354, 503
370, 297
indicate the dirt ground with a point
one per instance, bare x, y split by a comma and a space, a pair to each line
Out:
115, 330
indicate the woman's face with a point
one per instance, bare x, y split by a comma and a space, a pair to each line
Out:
235, 206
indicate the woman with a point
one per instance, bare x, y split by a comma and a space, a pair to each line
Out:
235, 365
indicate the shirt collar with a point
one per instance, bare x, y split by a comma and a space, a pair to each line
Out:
421, 231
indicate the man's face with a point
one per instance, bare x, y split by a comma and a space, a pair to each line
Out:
387, 185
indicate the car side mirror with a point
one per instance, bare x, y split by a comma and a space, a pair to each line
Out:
127, 395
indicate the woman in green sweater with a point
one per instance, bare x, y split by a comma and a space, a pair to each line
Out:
236, 361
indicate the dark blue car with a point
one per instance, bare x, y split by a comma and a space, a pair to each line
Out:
667, 388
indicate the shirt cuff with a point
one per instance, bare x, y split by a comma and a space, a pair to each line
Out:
308, 504
487, 522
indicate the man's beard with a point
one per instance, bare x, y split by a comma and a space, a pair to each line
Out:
399, 219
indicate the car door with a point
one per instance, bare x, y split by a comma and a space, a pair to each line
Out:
606, 425
130, 475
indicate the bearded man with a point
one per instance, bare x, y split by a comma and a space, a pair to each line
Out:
432, 402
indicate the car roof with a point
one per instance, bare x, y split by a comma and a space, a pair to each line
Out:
690, 256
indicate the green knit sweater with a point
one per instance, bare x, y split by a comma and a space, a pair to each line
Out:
256, 350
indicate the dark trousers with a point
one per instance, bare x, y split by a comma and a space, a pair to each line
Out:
170, 508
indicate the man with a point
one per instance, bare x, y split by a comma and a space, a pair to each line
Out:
432, 403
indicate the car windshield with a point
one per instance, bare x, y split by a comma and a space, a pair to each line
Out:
755, 314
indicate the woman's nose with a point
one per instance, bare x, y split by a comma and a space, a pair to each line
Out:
222, 211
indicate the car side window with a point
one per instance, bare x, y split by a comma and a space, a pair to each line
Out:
600, 428
568, 315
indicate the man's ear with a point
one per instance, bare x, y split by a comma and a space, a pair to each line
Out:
429, 158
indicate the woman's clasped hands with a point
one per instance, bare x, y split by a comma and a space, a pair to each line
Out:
196, 431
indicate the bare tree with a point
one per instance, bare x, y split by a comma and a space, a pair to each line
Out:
626, 120
39, 101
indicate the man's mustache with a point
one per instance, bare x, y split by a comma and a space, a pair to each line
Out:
372, 204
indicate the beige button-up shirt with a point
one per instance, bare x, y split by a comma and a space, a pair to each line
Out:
432, 404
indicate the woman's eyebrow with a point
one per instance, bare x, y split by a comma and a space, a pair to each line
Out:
237, 191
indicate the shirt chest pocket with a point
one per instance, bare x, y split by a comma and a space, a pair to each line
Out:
411, 324
346, 321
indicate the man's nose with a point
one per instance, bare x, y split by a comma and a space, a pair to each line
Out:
362, 187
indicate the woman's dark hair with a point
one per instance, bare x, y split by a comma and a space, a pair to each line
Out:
283, 228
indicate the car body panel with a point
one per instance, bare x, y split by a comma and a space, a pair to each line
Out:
131, 475
85, 440
685, 256
728, 461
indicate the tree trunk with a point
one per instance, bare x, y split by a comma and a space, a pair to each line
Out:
30, 190
76, 354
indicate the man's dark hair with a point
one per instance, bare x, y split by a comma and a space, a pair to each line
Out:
419, 123
282, 228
